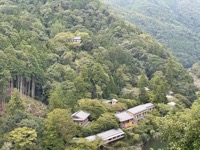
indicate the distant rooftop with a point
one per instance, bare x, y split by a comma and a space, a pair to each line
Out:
111, 101
171, 103
106, 135
77, 38
148, 105
91, 138
80, 115
137, 109
123, 116
169, 96
110, 133
146, 89
140, 108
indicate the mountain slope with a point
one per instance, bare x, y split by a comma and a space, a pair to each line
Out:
174, 23
36, 37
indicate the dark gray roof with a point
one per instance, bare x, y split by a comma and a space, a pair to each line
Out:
140, 108
123, 116
106, 135
80, 115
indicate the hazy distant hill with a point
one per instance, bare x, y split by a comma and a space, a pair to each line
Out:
173, 22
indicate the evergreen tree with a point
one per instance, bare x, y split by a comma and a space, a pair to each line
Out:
159, 87
15, 103
57, 98
142, 84
59, 130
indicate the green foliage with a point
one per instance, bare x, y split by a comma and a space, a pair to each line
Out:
4, 77
129, 102
38, 57
162, 20
180, 130
119, 144
80, 144
195, 69
59, 129
37, 39
143, 81
94, 107
160, 87
56, 99
20, 119
15, 103
22, 138
105, 122
143, 96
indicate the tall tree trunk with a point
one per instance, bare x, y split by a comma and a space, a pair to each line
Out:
24, 87
18, 82
33, 87
11, 85
3, 104
21, 87
29, 87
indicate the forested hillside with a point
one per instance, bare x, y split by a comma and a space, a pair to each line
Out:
174, 23
114, 59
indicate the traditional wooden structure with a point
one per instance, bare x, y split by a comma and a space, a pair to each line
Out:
77, 39
125, 119
108, 136
140, 111
81, 117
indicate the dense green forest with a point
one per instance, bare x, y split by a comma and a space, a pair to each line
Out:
173, 22
115, 59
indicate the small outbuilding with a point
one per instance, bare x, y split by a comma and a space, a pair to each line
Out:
146, 89
81, 117
112, 101
171, 103
77, 39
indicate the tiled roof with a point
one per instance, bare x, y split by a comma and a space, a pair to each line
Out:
123, 116
80, 115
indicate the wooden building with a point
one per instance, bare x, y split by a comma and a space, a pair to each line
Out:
125, 119
140, 111
81, 117
108, 136
77, 39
